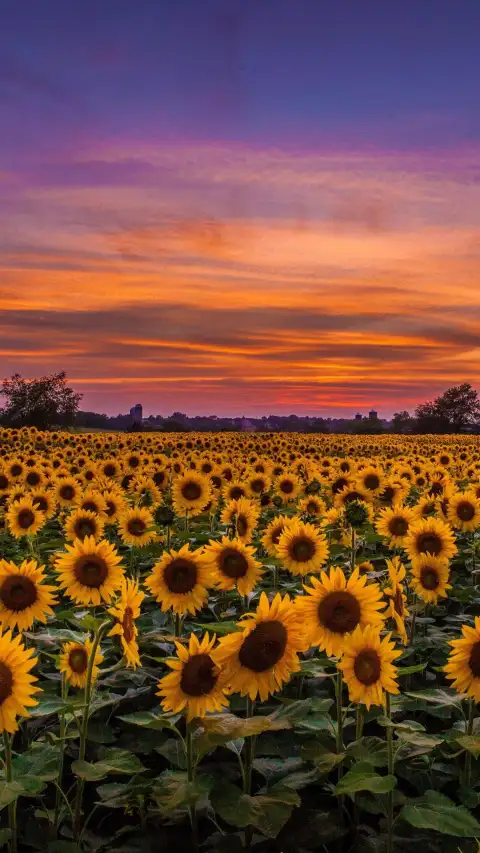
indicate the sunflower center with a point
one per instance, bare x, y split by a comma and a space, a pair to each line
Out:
199, 676
136, 527
158, 477
128, 625
372, 482
78, 660
233, 564
398, 526
339, 484
437, 489
216, 480
33, 478
444, 460
67, 493
339, 612
18, 592
111, 509
191, 491
109, 470
311, 508
25, 518
429, 578
286, 486
388, 494
91, 570
41, 503
85, 527
264, 647
6, 682
90, 506
3, 481
242, 525
180, 576
236, 492
429, 543
465, 511
277, 532
302, 549
474, 660
257, 485
367, 667
16, 470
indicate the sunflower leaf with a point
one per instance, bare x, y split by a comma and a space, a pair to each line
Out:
362, 778
436, 811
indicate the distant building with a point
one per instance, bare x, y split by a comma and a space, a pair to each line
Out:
136, 413
247, 426
373, 415
358, 416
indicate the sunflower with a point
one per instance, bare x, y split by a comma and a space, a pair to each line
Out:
125, 611
396, 598
350, 494
302, 548
244, 514
259, 659
430, 577
288, 487
463, 665
425, 507
16, 682
394, 523
90, 572
110, 468
23, 595
333, 607
191, 492
365, 566
233, 565
257, 484
367, 666
115, 505
5, 481
430, 536
271, 537
74, 661
393, 492
180, 581
196, 683
83, 523
136, 527
464, 511
24, 518
370, 479
45, 501
92, 500
234, 490
311, 505
15, 468
67, 490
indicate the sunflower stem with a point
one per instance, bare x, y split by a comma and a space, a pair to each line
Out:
177, 625
390, 773
186, 521
353, 550
61, 734
168, 537
84, 726
338, 696
356, 810
191, 777
468, 754
12, 807
414, 621
360, 720
247, 779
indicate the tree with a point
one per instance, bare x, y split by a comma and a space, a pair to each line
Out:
368, 426
42, 403
402, 422
455, 410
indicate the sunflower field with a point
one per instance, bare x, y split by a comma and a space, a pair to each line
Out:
235, 642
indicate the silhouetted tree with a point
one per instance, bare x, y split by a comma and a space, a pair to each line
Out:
454, 411
402, 422
40, 402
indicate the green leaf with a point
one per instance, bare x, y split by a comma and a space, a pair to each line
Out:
471, 743
370, 750
218, 628
172, 790
49, 705
149, 720
63, 847
40, 762
426, 742
5, 835
409, 670
362, 778
323, 757
442, 698
273, 769
266, 812
9, 792
114, 761
436, 811
174, 751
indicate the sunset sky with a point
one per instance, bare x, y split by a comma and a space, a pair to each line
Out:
241, 206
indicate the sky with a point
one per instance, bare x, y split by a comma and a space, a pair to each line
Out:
241, 207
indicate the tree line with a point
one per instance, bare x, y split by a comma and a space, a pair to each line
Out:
50, 402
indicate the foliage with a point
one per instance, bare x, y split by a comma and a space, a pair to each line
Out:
40, 402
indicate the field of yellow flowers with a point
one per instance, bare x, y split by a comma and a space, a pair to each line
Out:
233, 642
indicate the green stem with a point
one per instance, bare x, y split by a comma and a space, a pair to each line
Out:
473, 558
353, 551
468, 754
247, 779
177, 625
275, 577
414, 620
390, 772
360, 720
191, 776
84, 727
62, 732
338, 696
12, 808
356, 810
168, 537
186, 520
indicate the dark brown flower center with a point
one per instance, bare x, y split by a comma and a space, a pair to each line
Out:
312, 508
180, 575
128, 625
111, 509
18, 592
136, 527
388, 494
465, 511
436, 489
6, 682
236, 492
242, 525
159, 478
133, 462
3, 482
339, 612
90, 506
78, 660
109, 470
216, 481
474, 660
277, 532
16, 470
339, 484
302, 549
33, 478
233, 564
286, 486
85, 527
429, 543
191, 491
429, 578
40, 502
206, 467
367, 667
91, 570
372, 482
257, 486
398, 526
199, 676
264, 647
25, 519
353, 496
444, 460
67, 493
